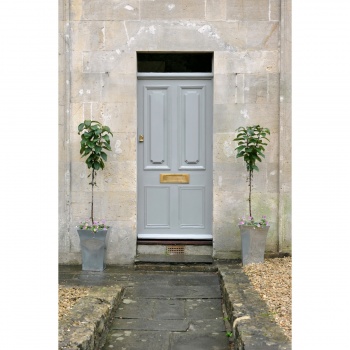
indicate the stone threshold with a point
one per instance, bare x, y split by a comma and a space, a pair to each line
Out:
173, 259
173, 242
177, 262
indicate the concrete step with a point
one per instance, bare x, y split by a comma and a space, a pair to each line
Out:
179, 262
178, 249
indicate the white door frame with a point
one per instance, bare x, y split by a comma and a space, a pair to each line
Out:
176, 76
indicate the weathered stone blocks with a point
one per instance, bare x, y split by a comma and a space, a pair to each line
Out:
248, 10
255, 88
107, 61
99, 45
118, 87
275, 10
262, 35
121, 243
86, 87
87, 35
108, 10
248, 62
176, 9
116, 35
215, 10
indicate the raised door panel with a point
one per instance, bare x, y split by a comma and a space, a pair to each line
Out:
156, 128
157, 207
192, 127
192, 207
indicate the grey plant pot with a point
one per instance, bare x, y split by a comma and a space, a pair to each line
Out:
253, 243
93, 248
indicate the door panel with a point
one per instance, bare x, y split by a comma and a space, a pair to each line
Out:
156, 127
192, 127
157, 201
192, 207
175, 119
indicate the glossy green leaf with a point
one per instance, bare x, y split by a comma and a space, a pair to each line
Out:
104, 156
81, 127
238, 149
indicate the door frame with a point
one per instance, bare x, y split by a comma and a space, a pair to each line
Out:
174, 76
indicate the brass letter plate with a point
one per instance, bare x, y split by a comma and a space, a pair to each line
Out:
175, 178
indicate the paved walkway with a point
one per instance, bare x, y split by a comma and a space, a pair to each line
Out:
161, 310
168, 310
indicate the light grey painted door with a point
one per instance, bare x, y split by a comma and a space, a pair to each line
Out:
175, 158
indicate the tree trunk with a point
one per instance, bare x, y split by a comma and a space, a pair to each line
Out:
92, 195
250, 192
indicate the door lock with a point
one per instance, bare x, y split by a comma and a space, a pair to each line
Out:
140, 138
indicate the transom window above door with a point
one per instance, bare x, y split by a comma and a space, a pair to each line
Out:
195, 62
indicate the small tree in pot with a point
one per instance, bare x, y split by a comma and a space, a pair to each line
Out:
94, 142
251, 142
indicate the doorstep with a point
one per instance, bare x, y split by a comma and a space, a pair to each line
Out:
176, 262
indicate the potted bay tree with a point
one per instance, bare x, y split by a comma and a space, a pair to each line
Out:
94, 143
251, 146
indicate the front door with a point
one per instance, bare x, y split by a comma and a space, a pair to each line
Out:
175, 157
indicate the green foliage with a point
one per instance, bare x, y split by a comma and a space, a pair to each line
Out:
251, 145
94, 142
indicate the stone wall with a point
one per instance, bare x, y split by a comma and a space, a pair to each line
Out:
99, 40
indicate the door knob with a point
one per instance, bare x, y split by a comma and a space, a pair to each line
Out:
140, 138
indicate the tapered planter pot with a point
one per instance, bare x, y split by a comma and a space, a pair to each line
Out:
253, 243
93, 249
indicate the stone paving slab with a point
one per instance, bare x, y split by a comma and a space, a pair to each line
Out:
130, 308
208, 325
169, 309
138, 340
174, 292
91, 280
143, 324
203, 308
175, 267
194, 279
198, 341
176, 279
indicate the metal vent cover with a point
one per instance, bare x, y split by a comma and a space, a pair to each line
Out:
175, 250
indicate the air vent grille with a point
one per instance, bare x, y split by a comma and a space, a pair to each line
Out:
175, 250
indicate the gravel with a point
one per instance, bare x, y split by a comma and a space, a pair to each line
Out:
273, 281
68, 296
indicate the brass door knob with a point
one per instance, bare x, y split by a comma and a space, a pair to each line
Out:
140, 138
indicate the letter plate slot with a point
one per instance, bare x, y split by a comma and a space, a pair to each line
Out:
175, 178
